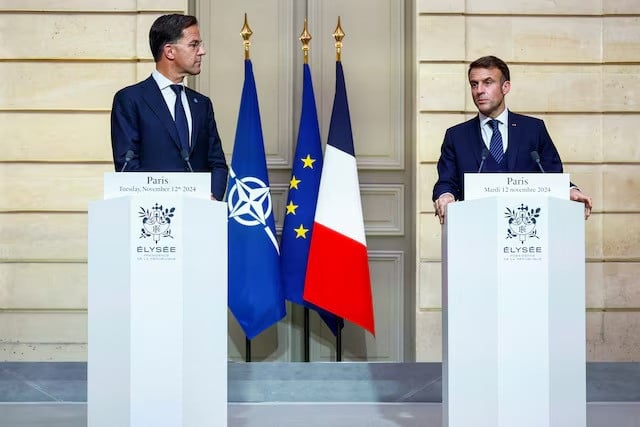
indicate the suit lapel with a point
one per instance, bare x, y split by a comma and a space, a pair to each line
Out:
475, 139
154, 99
197, 107
514, 141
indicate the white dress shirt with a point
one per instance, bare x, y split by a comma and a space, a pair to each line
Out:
503, 126
170, 97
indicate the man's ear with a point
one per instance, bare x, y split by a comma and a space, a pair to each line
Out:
506, 87
168, 51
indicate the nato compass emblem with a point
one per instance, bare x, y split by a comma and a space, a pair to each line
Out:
522, 222
156, 222
249, 202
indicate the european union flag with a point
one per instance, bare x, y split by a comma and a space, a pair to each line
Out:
255, 289
301, 203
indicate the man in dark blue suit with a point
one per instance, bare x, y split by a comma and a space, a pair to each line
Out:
159, 124
504, 139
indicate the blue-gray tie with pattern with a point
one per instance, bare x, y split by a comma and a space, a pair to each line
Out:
495, 146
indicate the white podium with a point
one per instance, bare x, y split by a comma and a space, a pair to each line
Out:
514, 312
157, 317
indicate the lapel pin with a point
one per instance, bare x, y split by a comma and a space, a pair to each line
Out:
195, 100
513, 124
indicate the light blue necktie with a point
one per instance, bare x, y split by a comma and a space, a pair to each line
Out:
495, 146
181, 118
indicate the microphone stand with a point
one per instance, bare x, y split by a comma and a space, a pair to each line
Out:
127, 158
185, 157
484, 155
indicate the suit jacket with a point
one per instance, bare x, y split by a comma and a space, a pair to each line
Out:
462, 152
142, 123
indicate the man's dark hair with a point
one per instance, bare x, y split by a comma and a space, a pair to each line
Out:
168, 29
491, 62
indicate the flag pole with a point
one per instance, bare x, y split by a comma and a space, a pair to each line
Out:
307, 357
246, 33
338, 35
305, 38
339, 344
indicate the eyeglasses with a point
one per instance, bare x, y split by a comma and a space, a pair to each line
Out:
194, 45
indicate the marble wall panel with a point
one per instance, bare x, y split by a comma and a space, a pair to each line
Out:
595, 286
441, 38
43, 352
621, 39
440, 6
620, 85
442, 87
67, 86
429, 243
70, 36
43, 285
527, 7
431, 130
620, 284
554, 88
578, 137
622, 141
56, 136
430, 286
429, 339
613, 336
621, 234
43, 237
621, 7
622, 186
44, 326
531, 39
67, 5
51, 187
427, 176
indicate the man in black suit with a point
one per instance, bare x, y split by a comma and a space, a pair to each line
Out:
503, 138
150, 130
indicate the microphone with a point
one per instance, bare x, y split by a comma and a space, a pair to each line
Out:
483, 156
127, 158
185, 157
536, 158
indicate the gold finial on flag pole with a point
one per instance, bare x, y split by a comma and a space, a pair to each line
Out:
305, 38
338, 35
246, 34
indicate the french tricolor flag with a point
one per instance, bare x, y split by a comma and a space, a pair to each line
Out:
337, 278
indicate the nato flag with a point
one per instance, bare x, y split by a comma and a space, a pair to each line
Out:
256, 296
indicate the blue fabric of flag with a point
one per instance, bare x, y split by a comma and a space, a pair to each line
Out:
256, 296
303, 196
301, 203
340, 134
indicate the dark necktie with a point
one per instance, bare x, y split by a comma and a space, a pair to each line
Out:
181, 118
495, 146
